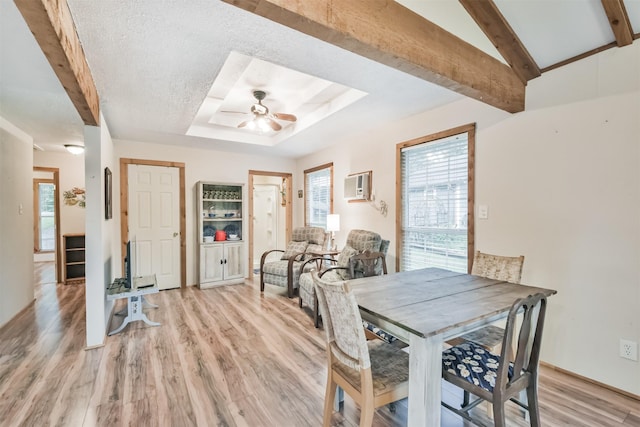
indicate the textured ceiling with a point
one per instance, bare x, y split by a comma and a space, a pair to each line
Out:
155, 61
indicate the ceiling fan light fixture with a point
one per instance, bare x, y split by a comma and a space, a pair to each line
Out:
74, 148
262, 124
263, 121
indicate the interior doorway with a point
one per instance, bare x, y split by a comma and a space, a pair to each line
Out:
270, 212
46, 217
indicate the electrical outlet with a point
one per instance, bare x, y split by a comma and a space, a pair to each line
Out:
629, 350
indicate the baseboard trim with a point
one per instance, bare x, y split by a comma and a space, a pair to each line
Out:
93, 347
589, 380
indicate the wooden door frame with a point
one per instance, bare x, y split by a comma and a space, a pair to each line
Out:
124, 209
288, 180
56, 208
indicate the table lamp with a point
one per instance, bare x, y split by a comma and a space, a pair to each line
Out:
333, 225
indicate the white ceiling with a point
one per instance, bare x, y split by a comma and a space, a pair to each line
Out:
155, 61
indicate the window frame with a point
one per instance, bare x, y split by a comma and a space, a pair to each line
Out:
37, 215
307, 200
470, 130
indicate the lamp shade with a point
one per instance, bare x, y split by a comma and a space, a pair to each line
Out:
333, 222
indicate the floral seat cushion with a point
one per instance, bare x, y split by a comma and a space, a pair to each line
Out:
386, 336
473, 363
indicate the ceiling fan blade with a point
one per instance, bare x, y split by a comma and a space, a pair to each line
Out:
274, 125
233, 112
285, 116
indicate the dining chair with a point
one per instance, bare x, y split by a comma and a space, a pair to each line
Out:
494, 378
496, 267
373, 372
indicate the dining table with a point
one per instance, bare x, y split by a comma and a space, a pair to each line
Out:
426, 307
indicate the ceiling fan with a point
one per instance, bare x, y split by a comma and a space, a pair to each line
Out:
262, 119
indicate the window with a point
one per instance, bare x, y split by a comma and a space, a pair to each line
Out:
436, 189
318, 187
45, 233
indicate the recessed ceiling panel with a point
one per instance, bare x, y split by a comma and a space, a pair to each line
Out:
231, 102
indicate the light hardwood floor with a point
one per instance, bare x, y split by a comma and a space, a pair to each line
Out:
226, 356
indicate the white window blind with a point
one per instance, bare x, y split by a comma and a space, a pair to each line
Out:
318, 190
434, 204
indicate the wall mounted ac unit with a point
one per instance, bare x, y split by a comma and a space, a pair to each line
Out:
356, 187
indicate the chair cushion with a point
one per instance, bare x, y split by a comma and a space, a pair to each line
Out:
473, 363
275, 273
312, 250
294, 248
386, 336
389, 367
343, 261
314, 235
364, 240
306, 289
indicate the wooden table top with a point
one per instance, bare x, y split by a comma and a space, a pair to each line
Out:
433, 301
142, 285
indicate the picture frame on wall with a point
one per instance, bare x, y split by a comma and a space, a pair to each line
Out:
108, 211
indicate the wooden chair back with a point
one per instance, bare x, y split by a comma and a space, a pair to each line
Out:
497, 267
370, 263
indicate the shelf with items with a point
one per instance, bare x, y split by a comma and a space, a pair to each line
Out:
74, 258
220, 233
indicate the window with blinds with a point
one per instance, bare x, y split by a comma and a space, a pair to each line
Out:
318, 183
435, 194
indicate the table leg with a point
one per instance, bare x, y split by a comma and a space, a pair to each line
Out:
134, 312
125, 322
425, 374
147, 303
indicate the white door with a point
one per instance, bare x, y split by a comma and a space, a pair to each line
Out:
265, 220
154, 222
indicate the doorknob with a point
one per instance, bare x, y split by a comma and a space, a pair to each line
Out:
175, 234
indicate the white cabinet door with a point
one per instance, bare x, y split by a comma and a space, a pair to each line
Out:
211, 263
233, 261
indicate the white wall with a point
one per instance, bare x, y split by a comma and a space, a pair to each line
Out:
562, 182
101, 237
16, 221
71, 174
200, 165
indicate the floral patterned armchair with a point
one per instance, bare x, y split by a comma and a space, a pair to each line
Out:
285, 272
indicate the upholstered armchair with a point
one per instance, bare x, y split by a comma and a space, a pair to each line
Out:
358, 242
285, 272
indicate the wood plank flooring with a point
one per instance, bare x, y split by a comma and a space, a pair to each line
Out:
226, 356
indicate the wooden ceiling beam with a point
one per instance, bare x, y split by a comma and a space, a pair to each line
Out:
619, 21
52, 25
497, 29
389, 33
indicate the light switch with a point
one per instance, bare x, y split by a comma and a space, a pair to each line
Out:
483, 212
20, 209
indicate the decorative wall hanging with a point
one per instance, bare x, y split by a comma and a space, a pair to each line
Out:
283, 192
74, 197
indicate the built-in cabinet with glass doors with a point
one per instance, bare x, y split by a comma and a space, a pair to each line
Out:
221, 246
